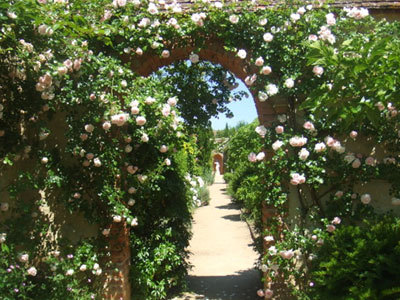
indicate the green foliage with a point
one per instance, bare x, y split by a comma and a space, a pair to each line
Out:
359, 262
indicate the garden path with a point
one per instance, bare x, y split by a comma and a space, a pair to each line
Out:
222, 256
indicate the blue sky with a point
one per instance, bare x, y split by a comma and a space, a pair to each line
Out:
244, 110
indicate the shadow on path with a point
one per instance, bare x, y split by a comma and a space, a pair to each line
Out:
235, 217
227, 287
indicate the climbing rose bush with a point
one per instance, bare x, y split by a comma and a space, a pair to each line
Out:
89, 135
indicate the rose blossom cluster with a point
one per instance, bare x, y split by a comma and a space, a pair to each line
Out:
297, 179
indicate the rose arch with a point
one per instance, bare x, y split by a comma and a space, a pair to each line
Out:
83, 127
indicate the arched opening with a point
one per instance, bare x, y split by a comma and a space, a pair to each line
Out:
218, 163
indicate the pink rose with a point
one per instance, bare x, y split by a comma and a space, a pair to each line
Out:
165, 54
318, 71
336, 221
252, 157
330, 228
366, 198
353, 134
259, 61
163, 149
309, 126
266, 70
370, 161
356, 163
268, 293
106, 125
279, 129
260, 293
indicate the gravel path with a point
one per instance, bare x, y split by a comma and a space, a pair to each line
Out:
222, 255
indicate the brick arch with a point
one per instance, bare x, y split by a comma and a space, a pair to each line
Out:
117, 278
214, 52
218, 157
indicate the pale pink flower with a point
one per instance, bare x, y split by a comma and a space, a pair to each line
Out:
166, 110
119, 119
149, 100
262, 96
172, 101
370, 161
62, 70
128, 149
330, 19
339, 194
131, 169
260, 156
68, 63
252, 157
303, 154
167, 161
289, 83
320, 147
83, 268
69, 272
294, 17
89, 128
260, 293
269, 238
318, 70
277, 145
301, 10
32, 271
297, 141
309, 126
336, 221
356, 163
266, 70
286, 254
142, 178
144, 138
131, 202
279, 129
42, 29
233, 19
117, 219
313, 38
242, 53
90, 156
268, 293
77, 64
139, 51
366, 198
330, 228
132, 190
165, 54
24, 257
194, 58
77, 195
268, 37
271, 89
259, 61
106, 125
297, 179
106, 232
44, 160
353, 134
263, 22
152, 9
163, 149
261, 130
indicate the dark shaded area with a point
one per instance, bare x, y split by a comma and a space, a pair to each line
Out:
234, 217
228, 206
242, 286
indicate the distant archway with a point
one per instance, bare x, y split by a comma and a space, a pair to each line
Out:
218, 163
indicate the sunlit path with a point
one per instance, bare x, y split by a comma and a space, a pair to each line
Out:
222, 255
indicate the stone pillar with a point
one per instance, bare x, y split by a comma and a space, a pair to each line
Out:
117, 285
